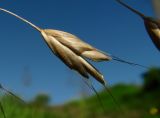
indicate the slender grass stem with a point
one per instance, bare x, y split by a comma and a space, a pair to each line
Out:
24, 20
133, 10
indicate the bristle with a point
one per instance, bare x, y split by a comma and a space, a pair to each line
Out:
113, 98
89, 84
128, 62
115, 58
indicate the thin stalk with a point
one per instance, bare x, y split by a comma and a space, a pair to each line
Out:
133, 10
22, 19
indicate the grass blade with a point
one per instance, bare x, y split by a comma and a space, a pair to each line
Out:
10, 93
2, 110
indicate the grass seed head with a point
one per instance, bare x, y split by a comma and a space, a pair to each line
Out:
64, 49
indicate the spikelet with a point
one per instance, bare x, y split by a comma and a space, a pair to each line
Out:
152, 25
154, 32
78, 46
69, 57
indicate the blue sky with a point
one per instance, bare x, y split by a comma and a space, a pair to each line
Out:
104, 24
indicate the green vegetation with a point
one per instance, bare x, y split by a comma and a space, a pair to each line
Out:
135, 102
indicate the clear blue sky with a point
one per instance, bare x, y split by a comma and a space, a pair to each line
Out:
104, 24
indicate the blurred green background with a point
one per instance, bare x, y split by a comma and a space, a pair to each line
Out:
136, 101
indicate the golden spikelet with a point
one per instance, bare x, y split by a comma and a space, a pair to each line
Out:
70, 50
